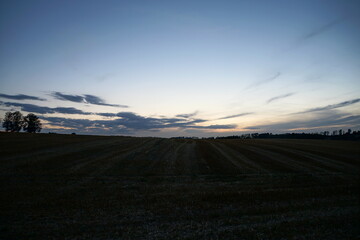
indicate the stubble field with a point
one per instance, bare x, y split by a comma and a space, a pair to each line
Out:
92, 187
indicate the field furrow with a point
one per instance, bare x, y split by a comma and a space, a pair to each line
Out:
91, 187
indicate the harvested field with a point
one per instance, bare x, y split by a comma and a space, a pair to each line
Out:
92, 187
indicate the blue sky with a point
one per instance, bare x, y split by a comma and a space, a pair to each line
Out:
182, 68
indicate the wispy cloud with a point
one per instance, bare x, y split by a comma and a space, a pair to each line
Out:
86, 98
188, 115
324, 28
332, 106
229, 126
236, 115
326, 121
104, 77
21, 97
316, 32
313, 33
279, 97
264, 81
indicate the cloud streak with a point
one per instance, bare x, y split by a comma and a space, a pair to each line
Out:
21, 97
316, 32
324, 28
236, 115
229, 126
332, 106
86, 98
327, 120
270, 79
279, 97
324, 117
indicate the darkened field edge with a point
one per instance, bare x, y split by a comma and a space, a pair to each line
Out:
95, 187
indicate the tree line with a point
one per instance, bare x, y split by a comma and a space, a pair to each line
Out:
336, 135
15, 122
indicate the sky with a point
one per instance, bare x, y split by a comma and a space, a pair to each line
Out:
182, 68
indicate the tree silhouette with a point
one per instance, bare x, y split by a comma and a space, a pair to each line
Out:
13, 122
32, 123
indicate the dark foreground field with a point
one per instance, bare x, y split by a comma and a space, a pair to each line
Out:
87, 187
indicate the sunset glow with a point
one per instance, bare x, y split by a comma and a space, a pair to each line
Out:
182, 68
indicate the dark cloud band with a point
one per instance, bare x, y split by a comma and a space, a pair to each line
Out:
125, 121
130, 122
86, 98
21, 97
44, 110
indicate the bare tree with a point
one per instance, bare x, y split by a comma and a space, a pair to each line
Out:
32, 123
13, 122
